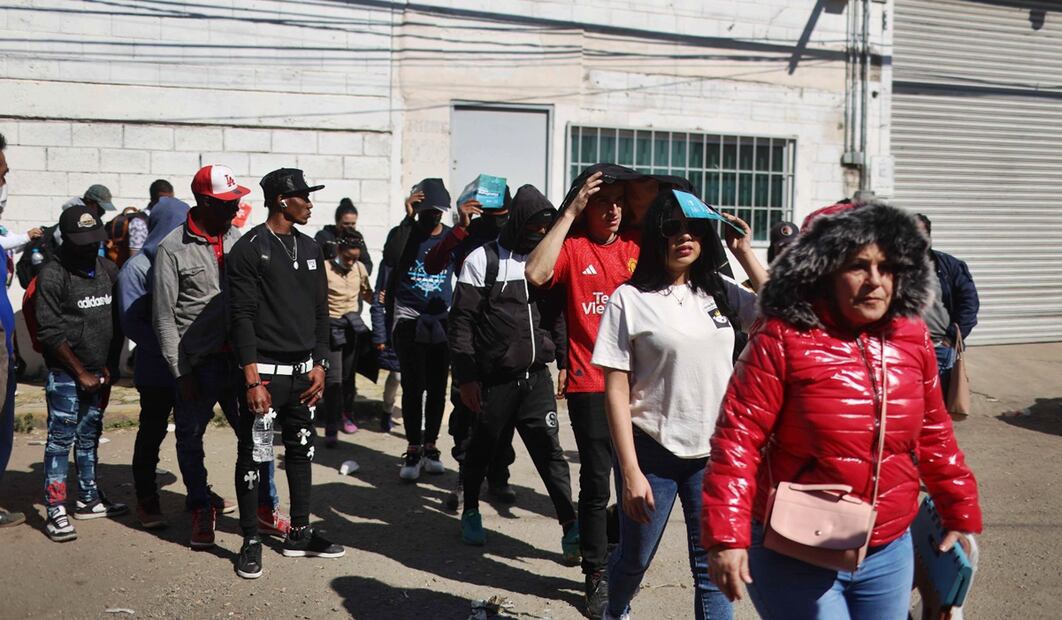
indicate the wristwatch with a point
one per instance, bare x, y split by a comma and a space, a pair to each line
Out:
323, 363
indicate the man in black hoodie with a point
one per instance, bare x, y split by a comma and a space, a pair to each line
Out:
502, 335
475, 226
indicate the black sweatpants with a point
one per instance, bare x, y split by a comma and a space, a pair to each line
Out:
590, 423
156, 403
529, 405
340, 388
295, 420
425, 368
461, 420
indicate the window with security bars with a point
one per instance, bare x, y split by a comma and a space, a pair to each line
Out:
751, 177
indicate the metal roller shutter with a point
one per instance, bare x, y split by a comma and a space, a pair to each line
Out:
977, 137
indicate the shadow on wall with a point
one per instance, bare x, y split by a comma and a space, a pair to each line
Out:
35, 369
1045, 416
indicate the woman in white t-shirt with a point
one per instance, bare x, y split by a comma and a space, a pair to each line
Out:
666, 343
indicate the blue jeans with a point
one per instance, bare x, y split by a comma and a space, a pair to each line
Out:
74, 419
7, 421
783, 587
946, 357
218, 380
670, 477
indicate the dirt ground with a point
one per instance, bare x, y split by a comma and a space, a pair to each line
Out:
405, 558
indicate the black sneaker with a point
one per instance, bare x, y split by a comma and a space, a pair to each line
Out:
249, 564
596, 594
306, 542
502, 493
99, 508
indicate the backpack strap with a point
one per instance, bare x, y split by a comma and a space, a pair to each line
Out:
260, 241
493, 262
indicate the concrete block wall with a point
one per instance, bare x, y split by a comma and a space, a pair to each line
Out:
127, 158
54, 161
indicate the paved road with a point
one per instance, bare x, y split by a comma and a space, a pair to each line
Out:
405, 559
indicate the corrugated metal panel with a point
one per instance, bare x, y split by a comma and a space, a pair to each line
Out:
977, 136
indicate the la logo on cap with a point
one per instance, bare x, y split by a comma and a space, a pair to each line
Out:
218, 182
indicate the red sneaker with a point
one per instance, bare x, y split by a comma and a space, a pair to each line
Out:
273, 522
150, 514
203, 522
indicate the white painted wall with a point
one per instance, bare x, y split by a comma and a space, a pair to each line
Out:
359, 95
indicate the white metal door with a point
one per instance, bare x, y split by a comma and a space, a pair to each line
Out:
977, 137
499, 141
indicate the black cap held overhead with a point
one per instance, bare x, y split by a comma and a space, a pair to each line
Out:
79, 225
285, 182
435, 195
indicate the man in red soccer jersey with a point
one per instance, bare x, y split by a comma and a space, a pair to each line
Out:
590, 263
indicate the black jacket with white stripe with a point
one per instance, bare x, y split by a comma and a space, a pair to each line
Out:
500, 327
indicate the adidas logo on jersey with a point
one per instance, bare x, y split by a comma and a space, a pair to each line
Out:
590, 271
94, 302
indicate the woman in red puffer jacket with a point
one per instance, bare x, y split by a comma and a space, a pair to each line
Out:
806, 394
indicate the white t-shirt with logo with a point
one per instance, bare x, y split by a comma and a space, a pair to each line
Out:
678, 348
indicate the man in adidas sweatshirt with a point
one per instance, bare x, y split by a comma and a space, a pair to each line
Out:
501, 341
81, 341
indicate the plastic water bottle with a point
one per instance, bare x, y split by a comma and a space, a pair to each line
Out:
348, 467
36, 258
262, 435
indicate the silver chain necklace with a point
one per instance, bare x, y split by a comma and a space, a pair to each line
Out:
293, 253
674, 292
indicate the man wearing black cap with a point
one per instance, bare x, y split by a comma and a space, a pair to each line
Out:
80, 339
189, 315
417, 305
279, 309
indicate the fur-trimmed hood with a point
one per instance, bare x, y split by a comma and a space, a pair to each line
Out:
793, 291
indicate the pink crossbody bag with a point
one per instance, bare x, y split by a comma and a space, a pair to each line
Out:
824, 524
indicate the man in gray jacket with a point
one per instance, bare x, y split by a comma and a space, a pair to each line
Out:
190, 317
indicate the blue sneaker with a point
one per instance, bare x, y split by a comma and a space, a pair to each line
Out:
573, 556
472, 528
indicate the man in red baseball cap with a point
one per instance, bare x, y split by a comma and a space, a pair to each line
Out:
191, 320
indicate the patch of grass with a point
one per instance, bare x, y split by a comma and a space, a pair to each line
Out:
24, 423
122, 423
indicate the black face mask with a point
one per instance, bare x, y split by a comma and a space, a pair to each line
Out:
79, 257
495, 223
428, 220
528, 242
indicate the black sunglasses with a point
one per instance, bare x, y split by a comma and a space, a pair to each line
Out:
695, 227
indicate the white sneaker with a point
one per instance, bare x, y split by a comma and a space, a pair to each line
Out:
433, 461
59, 528
412, 466
626, 616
